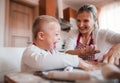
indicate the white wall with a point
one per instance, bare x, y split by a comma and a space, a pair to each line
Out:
60, 8
2, 22
10, 60
66, 6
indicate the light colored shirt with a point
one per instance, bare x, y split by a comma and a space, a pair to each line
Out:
37, 59
103, 39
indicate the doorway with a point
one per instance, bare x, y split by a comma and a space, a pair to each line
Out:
19, 32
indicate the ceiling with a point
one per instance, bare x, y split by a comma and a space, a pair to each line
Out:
77, 3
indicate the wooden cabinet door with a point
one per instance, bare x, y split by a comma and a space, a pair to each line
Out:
21, 17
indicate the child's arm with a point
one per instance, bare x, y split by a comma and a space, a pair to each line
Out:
87, 66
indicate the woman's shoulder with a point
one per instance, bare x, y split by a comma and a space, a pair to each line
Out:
106, 31
102, 31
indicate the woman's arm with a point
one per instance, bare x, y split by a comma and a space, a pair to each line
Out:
88, 50
113, 55
112, 37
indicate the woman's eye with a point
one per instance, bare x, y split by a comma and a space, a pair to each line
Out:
86, 20
78, 20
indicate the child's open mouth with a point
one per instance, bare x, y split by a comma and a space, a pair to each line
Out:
54, 45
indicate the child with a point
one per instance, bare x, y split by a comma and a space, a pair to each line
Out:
41, 56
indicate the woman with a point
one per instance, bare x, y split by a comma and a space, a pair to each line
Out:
84, 40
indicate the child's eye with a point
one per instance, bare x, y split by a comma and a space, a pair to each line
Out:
57, 34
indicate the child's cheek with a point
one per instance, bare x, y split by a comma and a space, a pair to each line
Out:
54, 45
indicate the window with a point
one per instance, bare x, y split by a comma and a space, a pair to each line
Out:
110, 17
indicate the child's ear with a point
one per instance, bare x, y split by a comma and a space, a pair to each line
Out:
41, 35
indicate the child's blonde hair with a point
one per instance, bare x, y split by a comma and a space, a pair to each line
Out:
38, 22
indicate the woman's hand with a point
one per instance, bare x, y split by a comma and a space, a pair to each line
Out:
113, 55
88, 50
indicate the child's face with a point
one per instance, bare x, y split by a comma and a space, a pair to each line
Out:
52, 35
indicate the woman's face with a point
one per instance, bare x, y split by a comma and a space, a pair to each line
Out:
85, 22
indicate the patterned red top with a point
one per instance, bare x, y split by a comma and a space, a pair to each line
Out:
80, 45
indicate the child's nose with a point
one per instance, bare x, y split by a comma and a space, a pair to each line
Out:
59, 38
